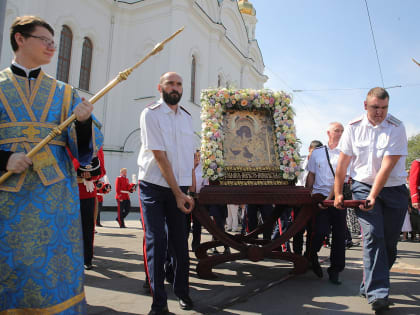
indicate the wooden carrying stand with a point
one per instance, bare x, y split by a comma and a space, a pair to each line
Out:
249, 246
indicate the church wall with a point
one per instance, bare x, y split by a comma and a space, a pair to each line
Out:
121, 35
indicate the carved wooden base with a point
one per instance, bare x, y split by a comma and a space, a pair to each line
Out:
249, 246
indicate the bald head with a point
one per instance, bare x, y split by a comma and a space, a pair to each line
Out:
334, 125
335, 130
167, 75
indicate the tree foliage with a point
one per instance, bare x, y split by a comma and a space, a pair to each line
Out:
413, 149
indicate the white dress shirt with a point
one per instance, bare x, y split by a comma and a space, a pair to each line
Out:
318, 164
368, 144
304, 174
200, 181
164, 130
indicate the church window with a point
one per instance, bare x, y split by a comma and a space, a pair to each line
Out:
64, 54
193, 75
86, 64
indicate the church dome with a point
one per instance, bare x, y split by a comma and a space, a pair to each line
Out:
246, 7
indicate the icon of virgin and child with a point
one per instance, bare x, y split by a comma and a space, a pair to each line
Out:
248, 140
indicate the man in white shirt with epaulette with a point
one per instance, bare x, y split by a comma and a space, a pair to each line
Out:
166, 163
376, 146
320, 181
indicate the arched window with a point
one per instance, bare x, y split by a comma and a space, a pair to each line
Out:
86, 64
193, 74
64, 54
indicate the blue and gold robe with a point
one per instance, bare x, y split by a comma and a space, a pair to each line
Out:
41, 251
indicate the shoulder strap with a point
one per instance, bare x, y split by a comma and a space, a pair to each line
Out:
329, 162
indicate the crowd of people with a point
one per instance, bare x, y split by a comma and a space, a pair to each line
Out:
51, 203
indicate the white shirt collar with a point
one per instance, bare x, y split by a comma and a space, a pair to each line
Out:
366, 122
167, 109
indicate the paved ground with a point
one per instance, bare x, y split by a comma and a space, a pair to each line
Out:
114, 286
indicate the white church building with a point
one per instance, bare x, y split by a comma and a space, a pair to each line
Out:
99, 38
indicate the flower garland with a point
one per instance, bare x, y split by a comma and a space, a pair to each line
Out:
215, 102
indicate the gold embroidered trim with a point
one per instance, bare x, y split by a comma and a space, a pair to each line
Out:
34, 140
28, 123
48, 310
23, 98
49, 101
7, 107
44, 159
66, 102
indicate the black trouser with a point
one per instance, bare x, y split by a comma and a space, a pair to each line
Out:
123, 210
98, 217
298, 237
196, 226
87, 210
326, 221
219, 214
266, 212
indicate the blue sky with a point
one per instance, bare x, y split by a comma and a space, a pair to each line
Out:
327, 44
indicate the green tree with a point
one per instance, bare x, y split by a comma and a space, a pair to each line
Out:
413, 149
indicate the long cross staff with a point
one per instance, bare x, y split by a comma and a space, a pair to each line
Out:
120, 77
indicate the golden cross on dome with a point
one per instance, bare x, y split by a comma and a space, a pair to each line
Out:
31, 132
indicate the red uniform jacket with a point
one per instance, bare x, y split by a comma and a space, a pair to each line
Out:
83, 193
415, 181
122, 187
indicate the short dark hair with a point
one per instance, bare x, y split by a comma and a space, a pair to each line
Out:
378, 92
26, 25
315, 144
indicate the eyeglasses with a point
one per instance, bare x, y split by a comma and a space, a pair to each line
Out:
47, 42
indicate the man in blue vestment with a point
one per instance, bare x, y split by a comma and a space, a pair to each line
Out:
41, 251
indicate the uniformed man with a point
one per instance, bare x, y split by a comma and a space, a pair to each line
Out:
86, 177
320, 179
166, 162
376, 146
122, 190
414, 182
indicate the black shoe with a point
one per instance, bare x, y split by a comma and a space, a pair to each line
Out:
333, 277
159, 311
186, 303
226, 251
316, 267
380, 304
88, 266
118, 222
215, 251
98, 224
349, 244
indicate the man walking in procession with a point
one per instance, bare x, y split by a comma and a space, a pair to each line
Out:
376, 145
166, 168
41, 253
